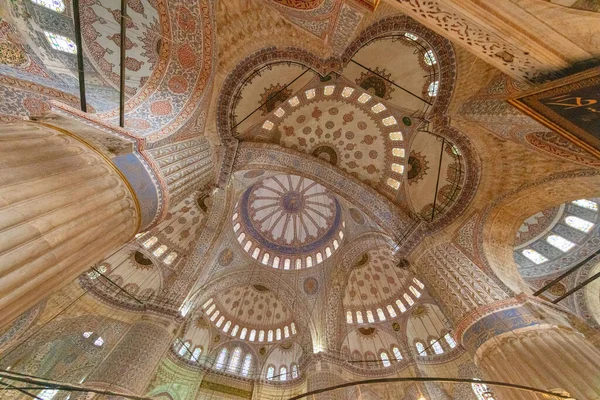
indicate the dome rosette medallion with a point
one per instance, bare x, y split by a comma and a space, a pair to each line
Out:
288, 222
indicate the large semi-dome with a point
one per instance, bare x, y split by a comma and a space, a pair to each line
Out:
289, 222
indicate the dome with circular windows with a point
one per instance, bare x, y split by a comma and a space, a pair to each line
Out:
288, 222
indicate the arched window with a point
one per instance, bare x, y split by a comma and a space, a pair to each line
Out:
283, 373
235, 330
385, 359
247, 365
248, 245
482, 391
215, 315
184, 349
236, 227
270, 372
170, 258
207, 303
220, 321
414, 291
418, 283
370, 317
196, 354
286, 331
432, 90
308, 262
396, 136
328, 252
261, 336
293, 326
349, 317
210, 310
437, 347
241, 237
298, 263
450, 340
252, 335
579, 224
590, 205
234, 360
394, 184
336, 244
534, 256
286, 263
359, 317
160, 250
560, 243
270, 335
420, 349
397, 168
276, 262
265, 259
61, 43
243, 334
400, 305
255, 253
294, 371
222, 359
380, 314
150, 242
278, 334
429, 58
408, 299
391, 311
227, 326
319, 258
397, 353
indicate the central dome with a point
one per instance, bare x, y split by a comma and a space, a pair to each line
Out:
288, 221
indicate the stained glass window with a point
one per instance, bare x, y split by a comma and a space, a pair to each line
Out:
397, 152
294, 371
349, 317
414, 291
397, 353
235, 330
283, 373
590, 205
400, 305
432, 90
380, 314
429, 58
387, 121
54, 5
308, 262
579, 224
408, 299
184, 349
393, 183
210, 310
270, 335
391, 311
398, 168
227, 326
196, 354
385, 359
160, 250
420, 349
221, 359
359, 318
220, 321
419, 283
560, 242
265, 259
247, 365
482, 391
207, 303
396, 136
293, 326
61, 43
328, 251
261, 336
234, 360
437, 347
252, 335
270, 372
278, 334
286, 331
150, 242
170, 258
534, 256
450, 340
243, 334
370, 317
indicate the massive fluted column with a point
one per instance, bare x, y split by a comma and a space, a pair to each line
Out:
131, 364
518, 339
63, 206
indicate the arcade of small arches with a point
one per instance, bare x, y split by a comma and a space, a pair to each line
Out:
339, 197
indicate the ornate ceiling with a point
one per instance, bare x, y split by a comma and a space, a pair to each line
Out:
288, 222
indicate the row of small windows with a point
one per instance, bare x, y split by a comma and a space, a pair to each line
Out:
271, 335
560, 242
435, 345
385, 359
390, 308
283, 373
160, 250
233, 364
287, 263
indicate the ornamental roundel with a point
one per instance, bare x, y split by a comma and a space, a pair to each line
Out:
226, 257
289, 222
311, 286
357, 216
